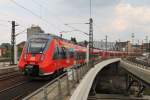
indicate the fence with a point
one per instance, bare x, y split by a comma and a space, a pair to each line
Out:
60, 88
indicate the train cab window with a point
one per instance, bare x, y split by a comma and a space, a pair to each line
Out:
37, 45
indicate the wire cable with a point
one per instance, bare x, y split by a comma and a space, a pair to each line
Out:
22, 32
55, 16
77, 30
34, 14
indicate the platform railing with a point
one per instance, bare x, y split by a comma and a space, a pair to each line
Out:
60, 88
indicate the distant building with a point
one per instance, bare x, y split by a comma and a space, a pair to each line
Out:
145, 47
124, 46
34, 30
102, 45
2, 51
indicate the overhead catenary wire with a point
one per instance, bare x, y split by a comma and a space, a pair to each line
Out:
2, 20
62, 21
22, 32
34, 14
4, 25
56, 17
77, 29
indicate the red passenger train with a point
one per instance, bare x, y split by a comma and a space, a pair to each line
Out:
45, 54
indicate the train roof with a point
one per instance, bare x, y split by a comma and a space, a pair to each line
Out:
48, 35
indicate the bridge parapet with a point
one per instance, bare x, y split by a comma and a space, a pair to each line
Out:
61, 87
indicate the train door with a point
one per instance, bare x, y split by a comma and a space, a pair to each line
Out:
68, 57
64, 57
56, 58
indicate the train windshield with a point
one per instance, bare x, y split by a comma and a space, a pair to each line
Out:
37, 45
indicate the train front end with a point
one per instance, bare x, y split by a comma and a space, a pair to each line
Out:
32, 61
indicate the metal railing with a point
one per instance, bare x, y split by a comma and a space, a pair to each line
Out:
60, 88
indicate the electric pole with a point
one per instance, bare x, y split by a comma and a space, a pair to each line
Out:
13, 48
91, 41
106, 43
132, 38
146, 43
91, 63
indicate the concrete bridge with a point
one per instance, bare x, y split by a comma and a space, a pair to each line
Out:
90, 81
86, 83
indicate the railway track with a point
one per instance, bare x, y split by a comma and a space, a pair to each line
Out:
16, 85
19, 88
139, 62
22, 88
9, 75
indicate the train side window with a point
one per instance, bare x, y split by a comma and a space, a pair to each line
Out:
84, 55
78, 56
71, 52
64, 53
55, 56
60, 52
75, 55
67, 53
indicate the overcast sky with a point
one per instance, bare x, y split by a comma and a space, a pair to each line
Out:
115, 18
